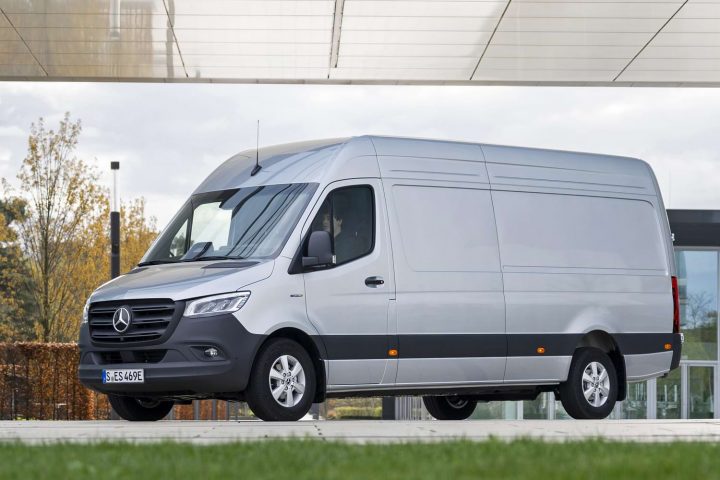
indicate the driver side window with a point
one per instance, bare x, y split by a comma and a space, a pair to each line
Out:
348, 215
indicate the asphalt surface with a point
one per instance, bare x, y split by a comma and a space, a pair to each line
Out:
359, 431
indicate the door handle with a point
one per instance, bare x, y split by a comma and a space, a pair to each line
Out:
374, 282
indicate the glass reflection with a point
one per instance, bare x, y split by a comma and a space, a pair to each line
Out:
635, 404
698, 287
669, 396
701, 400
536, 409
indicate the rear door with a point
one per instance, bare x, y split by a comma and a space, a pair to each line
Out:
348, 303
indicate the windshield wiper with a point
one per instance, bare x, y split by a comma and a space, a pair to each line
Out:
155, 262
213, 257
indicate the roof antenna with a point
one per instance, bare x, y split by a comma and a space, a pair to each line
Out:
257, 166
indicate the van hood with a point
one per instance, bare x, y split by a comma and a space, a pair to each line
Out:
180, 281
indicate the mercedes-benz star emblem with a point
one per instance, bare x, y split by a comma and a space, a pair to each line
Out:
121, 319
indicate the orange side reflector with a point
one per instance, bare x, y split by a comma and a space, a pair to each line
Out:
668, 346
393, 352
540, 350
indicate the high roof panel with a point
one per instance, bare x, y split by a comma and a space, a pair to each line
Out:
544, 42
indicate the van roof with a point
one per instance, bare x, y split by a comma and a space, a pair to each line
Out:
315, 160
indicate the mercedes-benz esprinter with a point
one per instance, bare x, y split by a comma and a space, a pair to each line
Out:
376, 266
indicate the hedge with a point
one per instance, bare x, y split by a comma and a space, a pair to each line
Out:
38, 381
355, 413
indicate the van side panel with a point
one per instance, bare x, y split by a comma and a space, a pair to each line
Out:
576, 263
450, 306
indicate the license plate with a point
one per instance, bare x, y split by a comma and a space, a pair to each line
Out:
124, 376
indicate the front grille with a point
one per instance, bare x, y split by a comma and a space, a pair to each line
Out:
132, 356
150, 320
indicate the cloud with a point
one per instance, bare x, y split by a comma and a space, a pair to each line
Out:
168, 137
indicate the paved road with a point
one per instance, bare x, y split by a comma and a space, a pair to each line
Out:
359, 431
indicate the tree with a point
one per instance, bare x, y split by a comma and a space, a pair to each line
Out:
63, 232
136, 234
14, 302
63, 201
698, 305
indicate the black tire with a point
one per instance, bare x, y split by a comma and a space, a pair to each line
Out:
450, 408
572, 392
259, 393
138, 410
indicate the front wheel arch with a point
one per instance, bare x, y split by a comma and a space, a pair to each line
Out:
314, 350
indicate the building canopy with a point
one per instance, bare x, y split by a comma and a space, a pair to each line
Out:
655, 42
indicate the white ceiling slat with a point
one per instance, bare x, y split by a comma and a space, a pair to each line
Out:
368, 41
592, 10
561, 51
599, 25
410, 50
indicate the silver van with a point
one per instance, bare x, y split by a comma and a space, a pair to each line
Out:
375, 266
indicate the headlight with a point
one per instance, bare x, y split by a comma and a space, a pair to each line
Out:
216, 305
86, 311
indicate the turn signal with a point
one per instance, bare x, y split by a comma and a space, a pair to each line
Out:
668, 346
393, 352
540, 350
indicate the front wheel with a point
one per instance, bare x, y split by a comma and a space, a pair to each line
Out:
450, 408
140, 410
591, 389
282, 382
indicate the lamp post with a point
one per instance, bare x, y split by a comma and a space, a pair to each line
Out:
114, 241
115, 225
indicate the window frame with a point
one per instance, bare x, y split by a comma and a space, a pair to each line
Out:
296, 265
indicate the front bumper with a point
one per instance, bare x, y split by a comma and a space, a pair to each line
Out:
177, 367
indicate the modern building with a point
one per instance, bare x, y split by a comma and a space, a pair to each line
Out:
691, 391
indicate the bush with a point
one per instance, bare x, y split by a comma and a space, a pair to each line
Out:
355, 413
39, 381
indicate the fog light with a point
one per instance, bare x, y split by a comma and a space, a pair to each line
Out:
211, 352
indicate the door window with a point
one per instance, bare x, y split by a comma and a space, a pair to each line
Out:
347, 214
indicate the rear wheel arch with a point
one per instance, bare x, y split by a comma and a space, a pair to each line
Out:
604, 341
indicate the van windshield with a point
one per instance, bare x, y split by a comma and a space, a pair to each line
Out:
240, 223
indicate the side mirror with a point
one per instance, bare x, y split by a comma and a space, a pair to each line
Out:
319, 250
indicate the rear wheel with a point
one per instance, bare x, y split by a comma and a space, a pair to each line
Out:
591, 389
282, 382
140, 410
452, 407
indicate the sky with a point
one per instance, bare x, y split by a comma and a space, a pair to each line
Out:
168, 137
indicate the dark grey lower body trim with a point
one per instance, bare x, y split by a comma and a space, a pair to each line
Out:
357, 347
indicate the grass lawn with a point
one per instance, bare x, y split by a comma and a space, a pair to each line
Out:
314, 459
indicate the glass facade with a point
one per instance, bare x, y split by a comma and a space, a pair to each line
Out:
698, 288
669, 396
690, 391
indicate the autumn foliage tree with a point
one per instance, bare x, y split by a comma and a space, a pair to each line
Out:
14, 324
63, 232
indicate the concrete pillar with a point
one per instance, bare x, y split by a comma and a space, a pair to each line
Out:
388, 408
